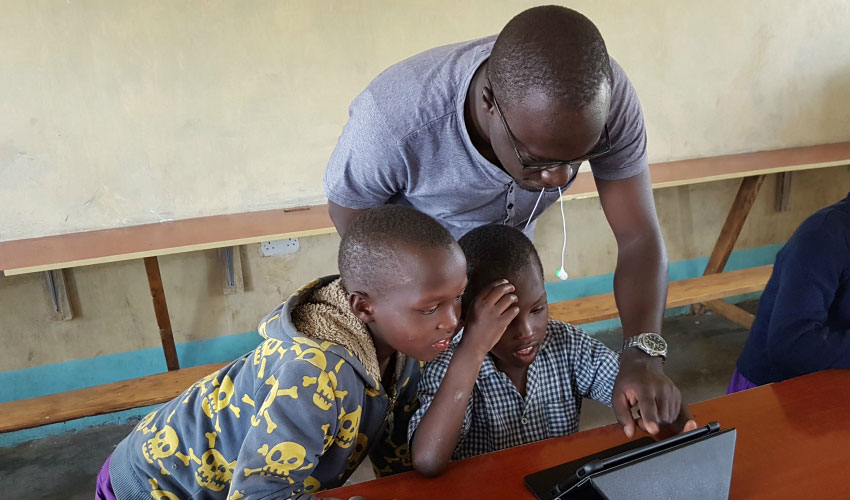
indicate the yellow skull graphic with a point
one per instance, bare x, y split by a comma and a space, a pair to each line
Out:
219, 398
328, 439
349, 423
312, 485
359, 450
315, 357
402, 454
159, 494
162, 445
313, 354
215, 472
326, 391
266, 349
281, 460
145, 422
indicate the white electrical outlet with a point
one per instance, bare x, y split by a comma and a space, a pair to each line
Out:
279, 247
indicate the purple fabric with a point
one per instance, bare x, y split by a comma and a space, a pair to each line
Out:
739, 383
103, 490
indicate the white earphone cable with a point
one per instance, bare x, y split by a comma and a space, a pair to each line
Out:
564, 222
535, 208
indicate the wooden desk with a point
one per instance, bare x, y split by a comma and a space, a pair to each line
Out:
793, 443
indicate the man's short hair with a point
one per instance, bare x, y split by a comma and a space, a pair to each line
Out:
496, 252
372, 250
551, 50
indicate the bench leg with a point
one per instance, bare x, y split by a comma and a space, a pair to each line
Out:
731, 228
160, 308
783, 191
731, 312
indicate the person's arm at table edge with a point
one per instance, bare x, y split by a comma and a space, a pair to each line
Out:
640, 290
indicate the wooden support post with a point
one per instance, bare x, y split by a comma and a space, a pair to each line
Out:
783, 191
732, 228
58, 305
731, 312
160, 308
232, 270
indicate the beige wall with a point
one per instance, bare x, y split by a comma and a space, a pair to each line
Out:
117, 113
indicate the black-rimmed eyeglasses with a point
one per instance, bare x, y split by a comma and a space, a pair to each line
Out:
601, 148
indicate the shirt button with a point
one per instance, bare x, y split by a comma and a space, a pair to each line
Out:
524, 421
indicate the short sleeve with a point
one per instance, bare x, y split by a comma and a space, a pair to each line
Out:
593, 365
627, 131
366, 169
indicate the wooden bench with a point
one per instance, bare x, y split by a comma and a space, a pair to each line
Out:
162, 387
152, 240
706, 288
100, 399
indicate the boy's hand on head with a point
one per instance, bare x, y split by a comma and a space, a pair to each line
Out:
489, 316
642, 384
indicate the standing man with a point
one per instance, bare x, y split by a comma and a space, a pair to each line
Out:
483, 131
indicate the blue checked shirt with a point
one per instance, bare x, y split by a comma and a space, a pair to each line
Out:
569, 366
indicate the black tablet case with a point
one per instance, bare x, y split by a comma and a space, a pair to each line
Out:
697, 469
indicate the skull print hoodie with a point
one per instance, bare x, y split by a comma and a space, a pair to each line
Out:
296, 415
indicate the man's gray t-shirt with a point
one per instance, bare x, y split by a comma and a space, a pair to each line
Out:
406, 143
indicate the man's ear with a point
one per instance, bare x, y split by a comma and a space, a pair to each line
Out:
361, 306
487, 94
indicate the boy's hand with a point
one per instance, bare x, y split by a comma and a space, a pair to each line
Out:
489, 316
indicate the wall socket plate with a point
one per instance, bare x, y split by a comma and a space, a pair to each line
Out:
279, 247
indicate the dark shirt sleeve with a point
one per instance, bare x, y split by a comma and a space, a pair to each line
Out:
627, 131
801, 337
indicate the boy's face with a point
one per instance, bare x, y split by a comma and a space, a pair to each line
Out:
522, 340
419, 315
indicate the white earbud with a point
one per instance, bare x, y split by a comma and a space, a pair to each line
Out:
562, 273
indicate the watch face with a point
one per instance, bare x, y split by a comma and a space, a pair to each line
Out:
654, 342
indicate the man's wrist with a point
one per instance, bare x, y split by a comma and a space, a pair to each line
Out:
637, 356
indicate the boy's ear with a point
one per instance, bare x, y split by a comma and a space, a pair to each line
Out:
361, 306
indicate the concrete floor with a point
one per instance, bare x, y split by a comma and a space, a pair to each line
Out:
703, 351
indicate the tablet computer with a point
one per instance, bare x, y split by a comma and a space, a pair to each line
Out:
569, 480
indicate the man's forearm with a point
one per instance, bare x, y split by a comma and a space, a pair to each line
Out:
640, 285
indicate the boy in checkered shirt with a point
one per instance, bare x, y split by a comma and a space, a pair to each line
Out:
514, 376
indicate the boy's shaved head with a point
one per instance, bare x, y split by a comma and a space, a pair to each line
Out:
375, 251
553, 51
495, 252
